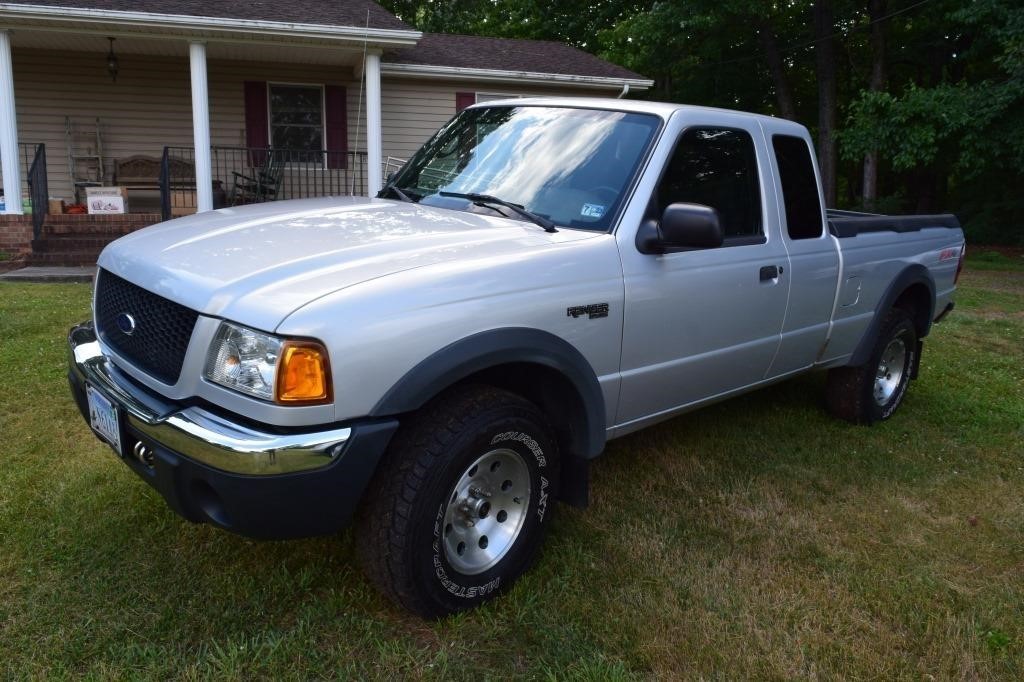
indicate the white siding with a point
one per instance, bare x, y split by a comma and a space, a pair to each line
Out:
149, 106
414, 109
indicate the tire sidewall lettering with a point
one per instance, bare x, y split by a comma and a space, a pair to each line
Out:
531, 444
542, 501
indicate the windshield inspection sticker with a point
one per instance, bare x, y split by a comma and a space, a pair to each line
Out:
592, 210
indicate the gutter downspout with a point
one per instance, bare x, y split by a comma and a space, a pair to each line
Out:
625, 91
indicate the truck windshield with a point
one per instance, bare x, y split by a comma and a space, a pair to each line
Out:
570, 166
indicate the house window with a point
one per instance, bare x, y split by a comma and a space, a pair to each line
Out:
297, 118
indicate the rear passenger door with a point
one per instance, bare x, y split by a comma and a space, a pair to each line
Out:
701, 323
813, 253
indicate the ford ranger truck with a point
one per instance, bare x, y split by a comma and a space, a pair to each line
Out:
439, 365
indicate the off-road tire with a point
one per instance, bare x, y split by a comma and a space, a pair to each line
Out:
850, 392
402, 528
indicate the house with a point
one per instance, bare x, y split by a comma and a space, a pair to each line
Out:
190, 105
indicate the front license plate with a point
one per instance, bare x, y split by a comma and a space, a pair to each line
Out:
103, 418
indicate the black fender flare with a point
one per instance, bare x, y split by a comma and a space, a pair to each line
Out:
911, 275
485, 350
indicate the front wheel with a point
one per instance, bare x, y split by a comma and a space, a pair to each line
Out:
871, 393
458, 508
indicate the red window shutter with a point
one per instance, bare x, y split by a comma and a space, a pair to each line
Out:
257, 122
463, 100
336, 105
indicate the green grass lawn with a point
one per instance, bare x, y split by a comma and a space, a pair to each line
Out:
757, 538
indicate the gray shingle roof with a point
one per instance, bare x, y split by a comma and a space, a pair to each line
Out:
435, 49
322, 12
506, 54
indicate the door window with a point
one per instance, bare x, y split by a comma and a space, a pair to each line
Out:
717, 167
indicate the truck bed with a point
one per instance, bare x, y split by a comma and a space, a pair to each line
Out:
850, 223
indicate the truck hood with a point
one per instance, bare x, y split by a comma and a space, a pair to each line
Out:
257, 264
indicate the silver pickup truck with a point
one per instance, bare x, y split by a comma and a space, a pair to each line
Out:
442, 362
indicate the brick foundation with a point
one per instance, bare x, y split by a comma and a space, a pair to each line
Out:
64, 239
15, 239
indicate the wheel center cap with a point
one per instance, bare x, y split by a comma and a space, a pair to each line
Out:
473, 507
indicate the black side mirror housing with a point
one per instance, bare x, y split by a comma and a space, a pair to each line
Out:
687, 226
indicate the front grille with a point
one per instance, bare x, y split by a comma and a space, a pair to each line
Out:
162, 328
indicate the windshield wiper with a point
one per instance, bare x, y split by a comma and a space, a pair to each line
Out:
397, 192
485, 199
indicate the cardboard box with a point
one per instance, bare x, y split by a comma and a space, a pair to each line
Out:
106, 200
183, 202
56, 206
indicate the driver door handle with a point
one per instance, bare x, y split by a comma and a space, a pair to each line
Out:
770, 272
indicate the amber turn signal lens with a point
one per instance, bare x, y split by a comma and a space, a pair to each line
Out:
303, 375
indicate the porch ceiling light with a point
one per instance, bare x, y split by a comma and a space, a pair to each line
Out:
112, 64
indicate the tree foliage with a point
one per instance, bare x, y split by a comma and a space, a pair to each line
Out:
939, 113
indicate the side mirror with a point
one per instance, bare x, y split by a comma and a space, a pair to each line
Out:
692, 226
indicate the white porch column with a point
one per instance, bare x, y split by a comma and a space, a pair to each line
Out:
201, 127
374, 153
11, 170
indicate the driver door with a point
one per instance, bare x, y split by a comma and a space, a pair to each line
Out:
702, 323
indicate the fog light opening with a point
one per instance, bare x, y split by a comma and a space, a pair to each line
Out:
209, 503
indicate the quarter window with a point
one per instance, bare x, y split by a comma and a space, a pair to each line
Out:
716, 167
799, 187
297, 117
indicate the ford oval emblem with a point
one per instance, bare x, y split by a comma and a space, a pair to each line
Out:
126, 323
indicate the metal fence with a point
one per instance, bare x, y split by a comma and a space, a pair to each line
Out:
38, 189
34, 187
250, 175
26, 154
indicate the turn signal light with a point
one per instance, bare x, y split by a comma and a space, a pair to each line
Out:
304, 375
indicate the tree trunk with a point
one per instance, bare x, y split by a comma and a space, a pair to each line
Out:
825, 58
876, 10
783, 93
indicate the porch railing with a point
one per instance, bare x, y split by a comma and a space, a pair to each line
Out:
392, 165
249, 175
27, 153
38, 189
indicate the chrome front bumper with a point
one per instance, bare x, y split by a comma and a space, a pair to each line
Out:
196, 433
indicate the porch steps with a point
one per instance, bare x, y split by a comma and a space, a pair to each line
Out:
76, 240
64, 258
68, 242
45, 275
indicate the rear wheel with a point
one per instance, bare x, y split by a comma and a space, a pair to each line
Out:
457, 511
872, 392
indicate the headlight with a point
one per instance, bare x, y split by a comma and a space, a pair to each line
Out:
268, 367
